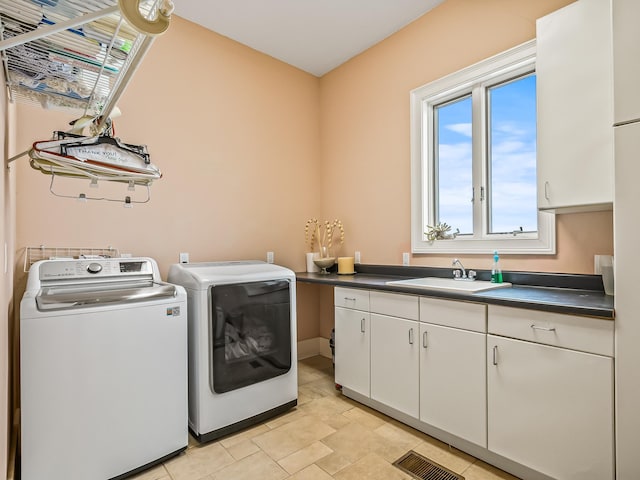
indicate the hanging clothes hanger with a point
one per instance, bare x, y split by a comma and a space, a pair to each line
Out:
109, 164
66, 147
102, 157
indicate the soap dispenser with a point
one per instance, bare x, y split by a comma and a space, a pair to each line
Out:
496, 272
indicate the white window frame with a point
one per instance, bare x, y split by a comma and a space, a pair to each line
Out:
511, 63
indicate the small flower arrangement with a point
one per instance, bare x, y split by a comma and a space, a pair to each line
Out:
440, 232
321, 234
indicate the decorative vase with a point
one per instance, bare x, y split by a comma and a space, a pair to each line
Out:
324, 263
324, 260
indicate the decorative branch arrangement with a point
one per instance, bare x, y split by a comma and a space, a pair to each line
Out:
322, 234
440, 232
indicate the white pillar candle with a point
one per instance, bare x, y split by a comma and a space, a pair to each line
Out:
311, 267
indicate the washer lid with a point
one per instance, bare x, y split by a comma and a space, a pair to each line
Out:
94, 295
201, 275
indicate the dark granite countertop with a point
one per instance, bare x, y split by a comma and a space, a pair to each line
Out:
559, 293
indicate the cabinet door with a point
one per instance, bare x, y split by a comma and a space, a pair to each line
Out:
550, 408
575, 107
394, 363
453, 381
627, 300
626, 60
352, 349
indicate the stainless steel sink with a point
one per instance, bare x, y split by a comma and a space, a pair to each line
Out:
449, 284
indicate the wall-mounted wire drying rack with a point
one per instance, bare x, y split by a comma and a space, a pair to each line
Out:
34, 254
76, 54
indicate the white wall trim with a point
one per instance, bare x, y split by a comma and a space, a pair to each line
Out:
314, 346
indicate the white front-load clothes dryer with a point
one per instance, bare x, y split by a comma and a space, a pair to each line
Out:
242, 343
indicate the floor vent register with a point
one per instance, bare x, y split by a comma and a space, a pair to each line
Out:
422, 468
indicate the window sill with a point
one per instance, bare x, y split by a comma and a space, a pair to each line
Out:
542, 244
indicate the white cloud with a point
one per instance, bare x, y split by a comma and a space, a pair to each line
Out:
455, 152
510, 128
513, 171
461, 128
508, 146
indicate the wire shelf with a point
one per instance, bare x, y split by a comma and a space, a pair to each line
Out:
68, 54
35, 254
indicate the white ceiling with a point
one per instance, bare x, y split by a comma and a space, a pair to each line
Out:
313, 35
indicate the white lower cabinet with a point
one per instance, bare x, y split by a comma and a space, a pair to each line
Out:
453, 381
352, 349
394, 362
533, 387
551, 408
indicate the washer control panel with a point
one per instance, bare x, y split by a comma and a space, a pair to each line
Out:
85, 268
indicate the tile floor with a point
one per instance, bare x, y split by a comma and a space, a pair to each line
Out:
327, 436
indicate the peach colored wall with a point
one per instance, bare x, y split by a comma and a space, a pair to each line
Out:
315, 310
365, 134
326, 319
5, 294
236, 134
308, 303
7, 322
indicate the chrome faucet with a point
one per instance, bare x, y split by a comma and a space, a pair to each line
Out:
464, 275
458, 262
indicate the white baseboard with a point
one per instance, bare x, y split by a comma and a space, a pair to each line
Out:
325, 349
314, 346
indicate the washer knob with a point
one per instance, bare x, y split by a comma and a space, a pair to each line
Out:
94, 268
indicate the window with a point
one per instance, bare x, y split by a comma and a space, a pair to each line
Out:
474, 159
452, 140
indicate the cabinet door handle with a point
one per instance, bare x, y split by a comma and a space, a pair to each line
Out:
362, 325
546, 190
495, 355
424, 339
545, 329
350, 299
411, 336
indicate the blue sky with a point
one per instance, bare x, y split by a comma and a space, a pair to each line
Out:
513, 159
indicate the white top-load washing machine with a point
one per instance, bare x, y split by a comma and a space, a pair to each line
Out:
103, 367
242, 343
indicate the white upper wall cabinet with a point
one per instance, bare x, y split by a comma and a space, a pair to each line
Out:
575, 107
626, 60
